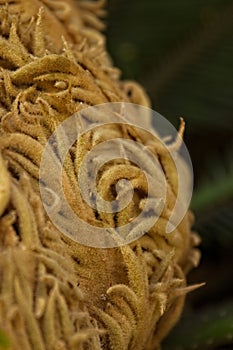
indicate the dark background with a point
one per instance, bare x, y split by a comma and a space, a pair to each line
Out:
181, 51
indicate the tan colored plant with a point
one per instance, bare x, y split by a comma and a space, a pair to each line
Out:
55, 293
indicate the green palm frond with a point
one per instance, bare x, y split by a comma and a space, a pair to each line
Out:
216, 228
209, 328
217, 184
213, 201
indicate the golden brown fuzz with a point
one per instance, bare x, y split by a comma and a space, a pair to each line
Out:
55, 293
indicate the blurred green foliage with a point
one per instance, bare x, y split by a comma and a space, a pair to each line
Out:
4, 341
182, 53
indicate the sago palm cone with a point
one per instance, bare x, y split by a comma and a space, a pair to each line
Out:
54, 292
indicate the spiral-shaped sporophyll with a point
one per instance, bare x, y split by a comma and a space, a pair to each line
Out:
135, 150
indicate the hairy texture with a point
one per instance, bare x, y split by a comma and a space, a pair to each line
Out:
55, 293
